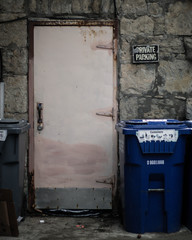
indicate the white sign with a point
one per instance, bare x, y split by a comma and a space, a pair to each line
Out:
3, 135
169, 135
145, 53
155, 162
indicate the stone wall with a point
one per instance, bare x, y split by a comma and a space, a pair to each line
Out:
159, 90
14, 16
156, 90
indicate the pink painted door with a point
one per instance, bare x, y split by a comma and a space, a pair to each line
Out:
75, 141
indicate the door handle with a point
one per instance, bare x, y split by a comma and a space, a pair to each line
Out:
40, 116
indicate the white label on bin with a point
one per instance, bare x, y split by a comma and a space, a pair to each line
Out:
154, 120
155, 162
3, 135
169, 135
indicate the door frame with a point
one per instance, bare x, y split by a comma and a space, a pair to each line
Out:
32, 24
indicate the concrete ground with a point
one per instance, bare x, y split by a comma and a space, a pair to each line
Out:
81, 228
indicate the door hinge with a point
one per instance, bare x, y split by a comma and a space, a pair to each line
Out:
109, 46
112, 47
109, 180
106, 114
105, 47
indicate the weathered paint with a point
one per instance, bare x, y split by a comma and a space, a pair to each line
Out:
63, 160
68, 165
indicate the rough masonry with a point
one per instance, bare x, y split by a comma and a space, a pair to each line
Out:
153, 90
157, 90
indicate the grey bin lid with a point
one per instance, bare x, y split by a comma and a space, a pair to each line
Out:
13, 125
8, 121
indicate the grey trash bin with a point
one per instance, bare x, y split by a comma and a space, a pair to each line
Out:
13, 136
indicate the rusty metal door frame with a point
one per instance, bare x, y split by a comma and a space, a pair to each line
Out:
32, 24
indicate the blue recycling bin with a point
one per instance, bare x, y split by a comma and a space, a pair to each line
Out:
187, 202
152, 156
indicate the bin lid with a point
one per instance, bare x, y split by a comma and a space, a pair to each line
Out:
152, 123
13, 125
154, 135
135, 125
8, 121
189, 123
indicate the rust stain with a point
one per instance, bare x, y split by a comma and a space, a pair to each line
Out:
74, 23
84, 34
93, 32
31, 190
96, 36
64, 165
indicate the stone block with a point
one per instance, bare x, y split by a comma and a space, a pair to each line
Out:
86, 6
125, 52
5, 17
18, 116
175, 76
142, 25
15, 61
56, 6
137, 79
131, 8
151, 107
171, 44
76, 6
96, 6
158, 110
43, 7
107, 6
171, 48
13, 33
128, 107
11, 6
82, 6
165, 108
189, 109
155, 10
32, 5
178, 19
16, 94
159, 25
61, 6
188, 47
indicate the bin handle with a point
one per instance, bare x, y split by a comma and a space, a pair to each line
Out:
156, 190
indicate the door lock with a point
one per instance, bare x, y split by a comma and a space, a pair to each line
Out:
40, 116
